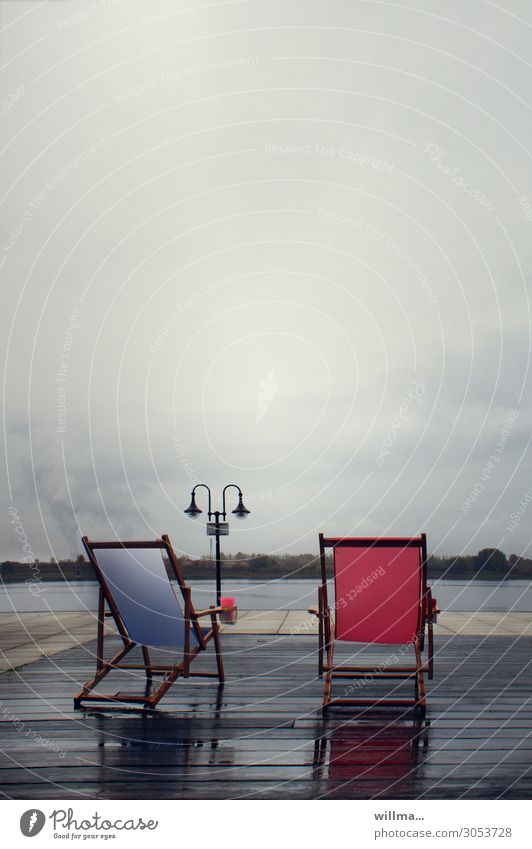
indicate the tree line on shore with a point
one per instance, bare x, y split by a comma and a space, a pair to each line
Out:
488, 564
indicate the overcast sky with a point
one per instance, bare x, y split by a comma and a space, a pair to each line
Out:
282, 245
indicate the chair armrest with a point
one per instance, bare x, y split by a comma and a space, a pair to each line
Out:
325, 614
211, 610
432, 608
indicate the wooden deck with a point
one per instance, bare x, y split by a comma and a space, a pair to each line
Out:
262, 735
25, 637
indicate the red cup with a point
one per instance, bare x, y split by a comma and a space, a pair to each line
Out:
229, 610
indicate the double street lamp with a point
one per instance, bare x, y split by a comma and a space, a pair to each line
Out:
217, 528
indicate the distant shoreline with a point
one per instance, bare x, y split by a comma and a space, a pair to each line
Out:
466, 579
489, 564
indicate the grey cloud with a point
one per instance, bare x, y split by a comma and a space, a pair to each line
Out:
147, 160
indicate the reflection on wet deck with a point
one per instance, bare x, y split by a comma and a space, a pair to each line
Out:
262, 734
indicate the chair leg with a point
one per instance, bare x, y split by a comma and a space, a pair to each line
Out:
420, 681
103, 670
169, 679
431, 649
320, 645
327, 626
100, 633
147, 663
320, 632
328, 677
218, 647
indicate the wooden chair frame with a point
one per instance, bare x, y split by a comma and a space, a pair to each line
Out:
326, 632
169, 672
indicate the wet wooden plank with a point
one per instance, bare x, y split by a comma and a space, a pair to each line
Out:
265, 737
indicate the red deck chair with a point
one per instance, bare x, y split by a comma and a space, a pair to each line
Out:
381, 597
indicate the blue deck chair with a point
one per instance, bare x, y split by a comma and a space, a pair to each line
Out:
136, 586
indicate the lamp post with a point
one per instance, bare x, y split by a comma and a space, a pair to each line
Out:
217, 528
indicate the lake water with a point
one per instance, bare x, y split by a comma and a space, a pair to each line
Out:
271, 595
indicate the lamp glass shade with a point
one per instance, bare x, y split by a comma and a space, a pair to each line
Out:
193, 510
240, 511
